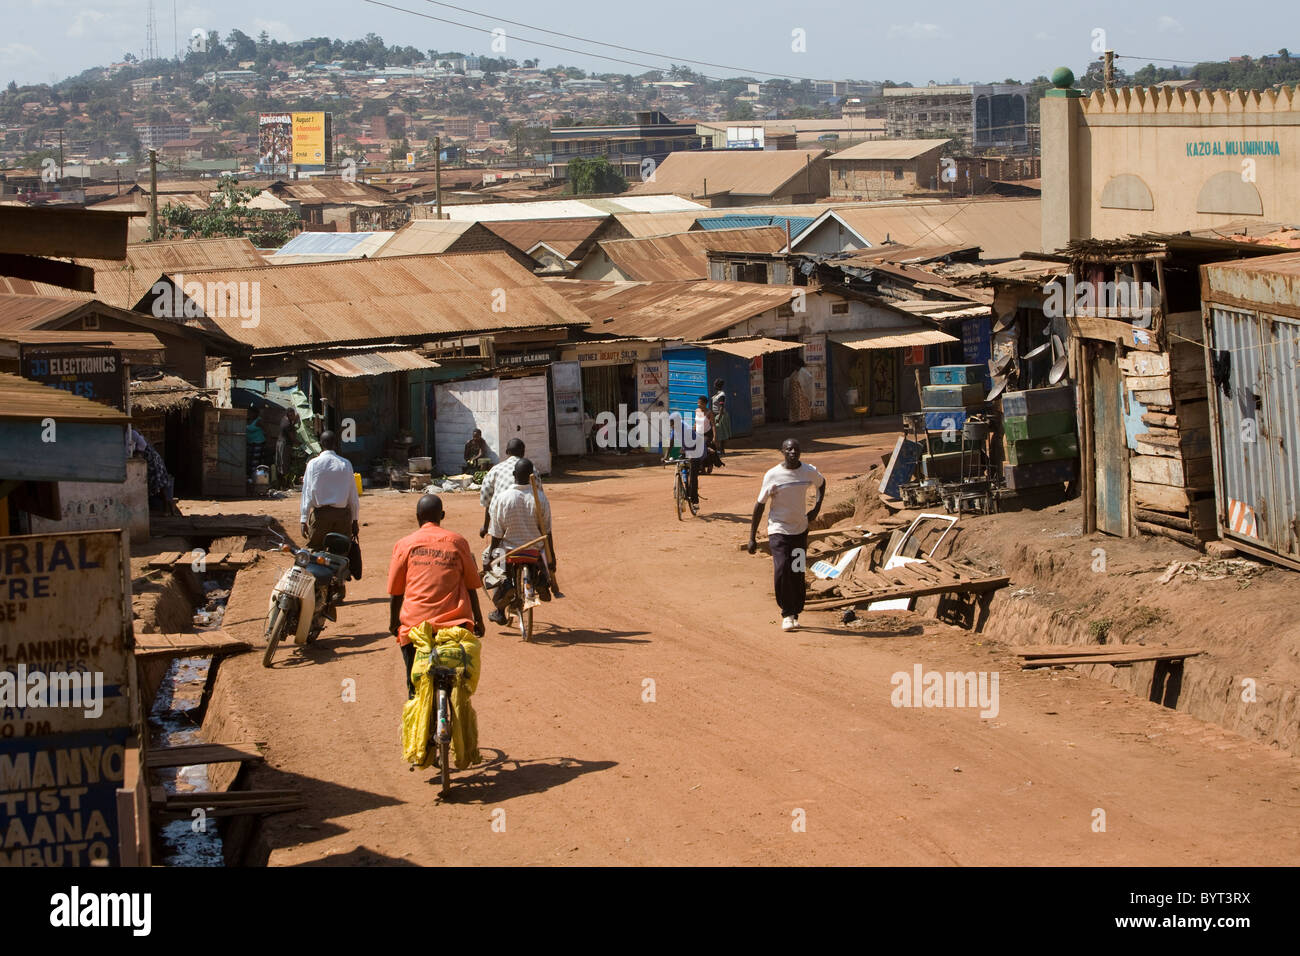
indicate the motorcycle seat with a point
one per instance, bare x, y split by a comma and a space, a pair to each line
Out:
338, 544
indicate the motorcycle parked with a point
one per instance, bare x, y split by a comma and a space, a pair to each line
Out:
307, 594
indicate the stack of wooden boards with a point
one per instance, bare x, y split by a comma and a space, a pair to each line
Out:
1042, 447
1171, 469
954, 392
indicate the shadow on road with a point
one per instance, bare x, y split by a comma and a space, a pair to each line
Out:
360, 856
565, 637
329, 646
503, 777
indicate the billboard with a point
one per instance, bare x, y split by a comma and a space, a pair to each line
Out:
746, 137
67, 686
293, 139
96, 374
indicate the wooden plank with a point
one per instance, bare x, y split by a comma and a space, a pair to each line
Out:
1111, 330
1160, 419
1145, 363
1160, 518
214, 798
1136, 383
1066, 650
1154, 397
1194, 414
1160, 497
1119, 659
190, 754
151, 645
1182, 537
917, 590
1154, 469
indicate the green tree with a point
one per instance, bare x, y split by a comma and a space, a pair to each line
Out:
228, 216
594, 175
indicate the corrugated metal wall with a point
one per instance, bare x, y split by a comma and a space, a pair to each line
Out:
1257, 438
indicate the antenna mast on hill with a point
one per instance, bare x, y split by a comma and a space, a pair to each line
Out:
151, 35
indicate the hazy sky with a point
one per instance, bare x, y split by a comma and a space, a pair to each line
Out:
43, 40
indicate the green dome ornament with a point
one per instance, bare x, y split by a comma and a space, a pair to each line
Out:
1063, 84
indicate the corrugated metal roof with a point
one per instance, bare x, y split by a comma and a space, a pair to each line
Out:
424, 237
565, 236
342, 245
890, 149
749, 348
741, 221
685, 255
567, 208
1002, 228
372, 363
359, 300
891, 338
686, 310
1267, 281
740, 172
31, 311
135, 345
24, 400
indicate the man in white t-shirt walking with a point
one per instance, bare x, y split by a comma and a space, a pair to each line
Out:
786, 486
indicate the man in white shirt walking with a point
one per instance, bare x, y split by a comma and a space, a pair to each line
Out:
329, 495
786, 486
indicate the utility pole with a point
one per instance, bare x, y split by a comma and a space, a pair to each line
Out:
1109, 73
60, 156
437, 176
153, 195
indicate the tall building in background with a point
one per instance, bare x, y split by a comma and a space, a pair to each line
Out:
986, 117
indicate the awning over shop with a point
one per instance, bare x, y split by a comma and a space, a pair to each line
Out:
143, 348
749, 348
891, 338
371, 363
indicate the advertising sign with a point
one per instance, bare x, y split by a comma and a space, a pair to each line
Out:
66, 687
757, 396
91, 373
814, 354
293, 139
309, 142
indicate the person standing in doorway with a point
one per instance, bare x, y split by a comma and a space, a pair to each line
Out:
721, 419
786, 486
329, 495
800, 394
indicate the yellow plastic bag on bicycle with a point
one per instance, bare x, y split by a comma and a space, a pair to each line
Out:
450, 647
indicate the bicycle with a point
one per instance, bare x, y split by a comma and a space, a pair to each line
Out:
681, 486
444, 679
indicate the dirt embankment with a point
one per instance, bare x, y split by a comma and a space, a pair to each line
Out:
1071, 589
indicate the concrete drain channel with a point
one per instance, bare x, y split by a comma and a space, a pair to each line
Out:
199, 819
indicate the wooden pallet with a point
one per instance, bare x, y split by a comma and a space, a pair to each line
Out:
909, 581
181, 645
218, 526
188, 755
216, 561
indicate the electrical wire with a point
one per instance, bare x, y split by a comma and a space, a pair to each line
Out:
615, 46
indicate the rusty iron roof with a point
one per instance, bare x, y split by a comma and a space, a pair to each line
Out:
24, 400
142, 347
886, 149
565, 236
323, 304
740, 172
749, 347
686, 310
891, 338
372, 363
424, 237
685, 255
1002, 228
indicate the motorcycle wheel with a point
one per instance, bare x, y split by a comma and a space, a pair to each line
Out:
275, 628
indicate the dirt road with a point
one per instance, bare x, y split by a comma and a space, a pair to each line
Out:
663, 717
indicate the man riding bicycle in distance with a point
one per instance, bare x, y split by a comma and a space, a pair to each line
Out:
514, 523
432, 577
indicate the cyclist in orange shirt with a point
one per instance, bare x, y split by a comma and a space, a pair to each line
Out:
433, 577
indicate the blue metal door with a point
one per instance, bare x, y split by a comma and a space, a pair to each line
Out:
687, 383
734, 372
